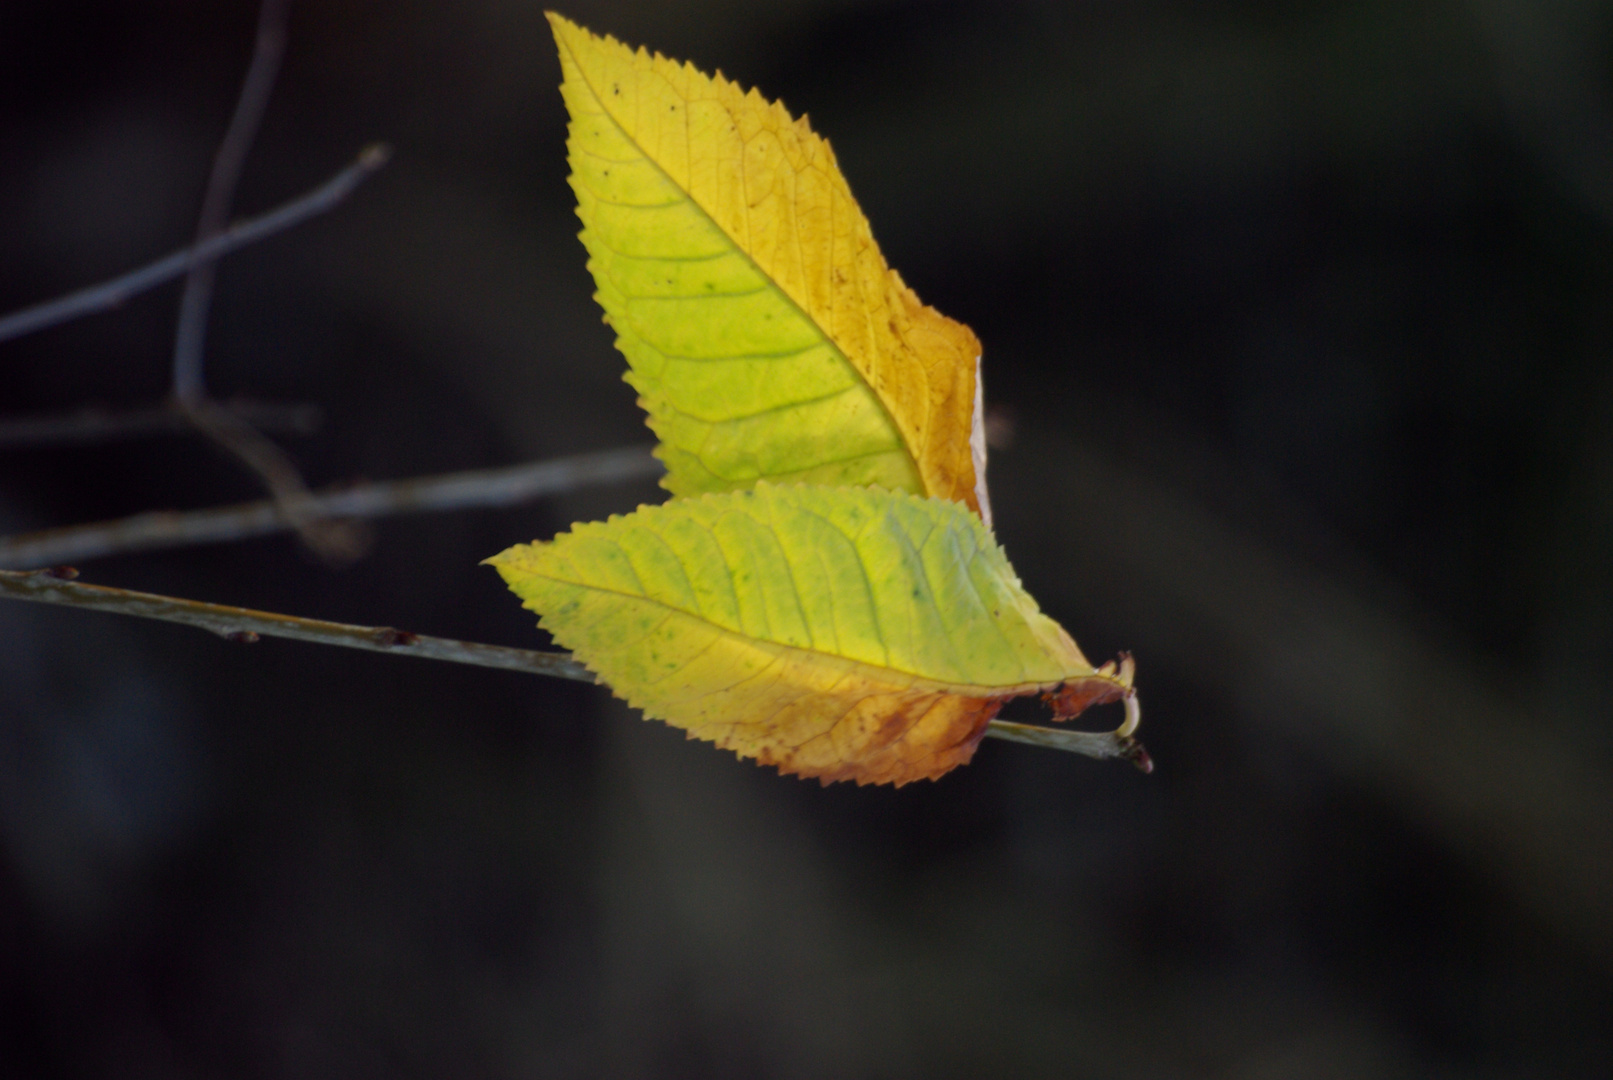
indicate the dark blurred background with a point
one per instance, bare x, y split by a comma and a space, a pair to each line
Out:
1300, 315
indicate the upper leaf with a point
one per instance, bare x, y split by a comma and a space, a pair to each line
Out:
841, 633
765, 333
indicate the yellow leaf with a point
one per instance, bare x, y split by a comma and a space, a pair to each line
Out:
766, 335
838, 633
856, 623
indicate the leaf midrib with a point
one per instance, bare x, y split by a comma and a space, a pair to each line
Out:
604, 110
1009, 689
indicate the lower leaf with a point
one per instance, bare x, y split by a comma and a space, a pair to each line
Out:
838, 633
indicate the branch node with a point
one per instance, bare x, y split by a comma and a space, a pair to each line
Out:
240, 637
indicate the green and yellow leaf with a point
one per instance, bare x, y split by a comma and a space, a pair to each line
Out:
765, 334
838, 633
855, 622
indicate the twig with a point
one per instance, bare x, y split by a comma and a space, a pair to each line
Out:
245, 625
110, 294
507, 486
94, 424
197, 299
335, 541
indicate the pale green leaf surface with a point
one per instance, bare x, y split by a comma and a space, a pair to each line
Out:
914, 585
842, 620
763, 331
739, 384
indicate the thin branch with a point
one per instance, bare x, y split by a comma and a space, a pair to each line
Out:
245, 625
110, 294
97, 424
336, 542
507, 486
197, 299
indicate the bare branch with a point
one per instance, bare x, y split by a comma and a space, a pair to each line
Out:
507, 486
197, 299
336, 542
95, 424
110, 294
245, 625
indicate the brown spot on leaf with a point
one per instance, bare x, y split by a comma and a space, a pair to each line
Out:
1076, 696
